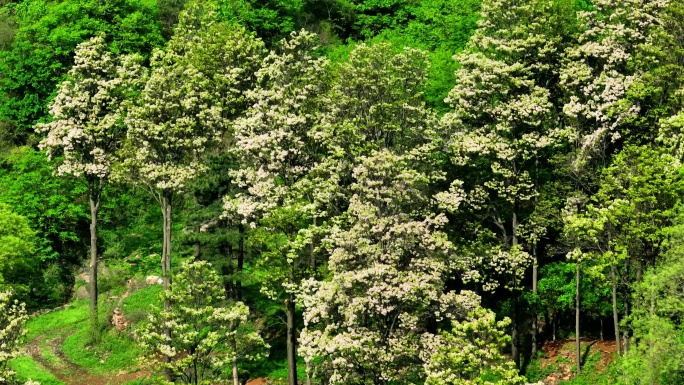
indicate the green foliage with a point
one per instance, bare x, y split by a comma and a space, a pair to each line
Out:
55, 210
18, 262
42, 50
27, 369
198, 334
137, 305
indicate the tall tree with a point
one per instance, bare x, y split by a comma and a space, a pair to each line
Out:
86, 128
596, 77
195, 89
503, 118
277, 156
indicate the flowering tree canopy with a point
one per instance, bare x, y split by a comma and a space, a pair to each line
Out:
206, 335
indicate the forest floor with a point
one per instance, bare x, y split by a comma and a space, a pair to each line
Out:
557, 363
48, 353
59, 349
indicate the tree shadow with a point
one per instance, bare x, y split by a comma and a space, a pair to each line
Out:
585, 355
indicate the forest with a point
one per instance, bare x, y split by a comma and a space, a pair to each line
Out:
341, 192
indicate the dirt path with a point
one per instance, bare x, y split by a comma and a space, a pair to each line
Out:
50, 356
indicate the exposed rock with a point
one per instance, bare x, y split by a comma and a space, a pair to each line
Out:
82, 292
118, 320
153, 280
85, 277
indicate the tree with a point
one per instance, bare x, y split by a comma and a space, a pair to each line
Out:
195, 89
12, 319
209, 334
376, 319
276, 155
17, 252
470, 352
596, 76
56, 210
48, 32
503, 118
657, 324
87, 129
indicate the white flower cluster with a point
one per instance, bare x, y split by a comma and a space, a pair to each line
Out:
12, 318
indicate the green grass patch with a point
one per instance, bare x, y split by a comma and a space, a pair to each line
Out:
137, 305
27, 369
115, 351
67, 319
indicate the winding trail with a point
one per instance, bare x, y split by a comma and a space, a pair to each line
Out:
49, 355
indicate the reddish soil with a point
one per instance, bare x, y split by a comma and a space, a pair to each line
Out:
564, 356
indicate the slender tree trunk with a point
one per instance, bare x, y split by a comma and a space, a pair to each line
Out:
651, 343
166, 261
577, 316
625, 331
229, 272
94, 207
240, 263
312, 256
601, 331
535, 269
291, 341
616, 321
535, 317
639, 274
233, 345
515, 332
166, 249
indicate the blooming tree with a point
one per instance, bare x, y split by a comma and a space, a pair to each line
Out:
598, 73
196, 88
12, 319
277, 155
596, 77
503, 118
389, 259
206, 331
459, 355
86, 128
374, 321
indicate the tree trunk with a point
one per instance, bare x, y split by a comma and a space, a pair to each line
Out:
312, 255
233, 344
601, 330
577, 316
291, 341
535, 317
616, 321
625, 331
240, 263
94, 207
515, 332
639, 274
651, 343
229, 273
166, 261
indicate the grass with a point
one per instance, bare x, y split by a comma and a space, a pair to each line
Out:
137, 305
591, 374
27, 369
67, 319
115, 351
